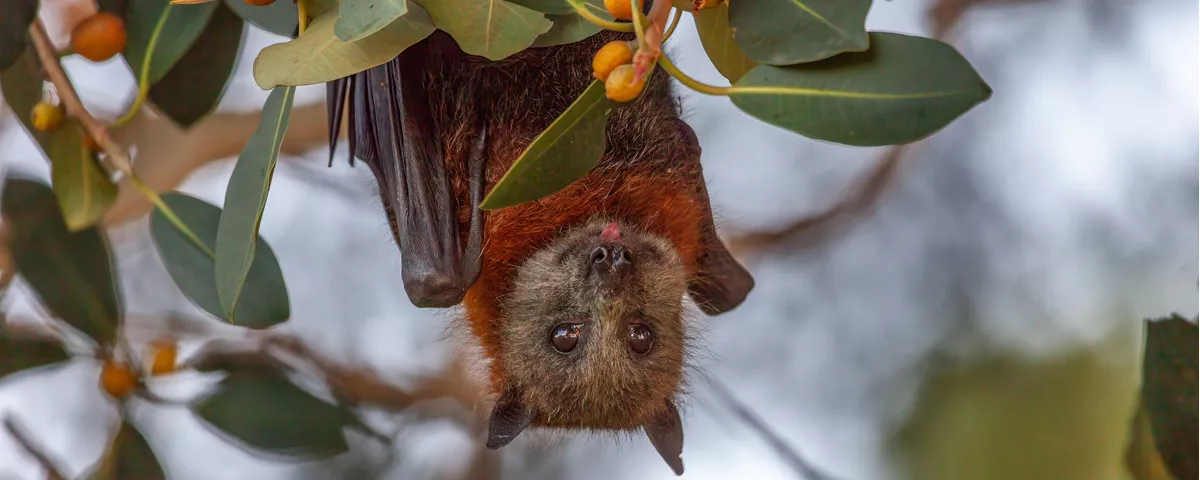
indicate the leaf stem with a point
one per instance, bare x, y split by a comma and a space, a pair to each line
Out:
115, 157
143, 90
638, 26
302, 8
582, 10
690, 82
674, 23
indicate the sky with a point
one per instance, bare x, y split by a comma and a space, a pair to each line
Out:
1063, 208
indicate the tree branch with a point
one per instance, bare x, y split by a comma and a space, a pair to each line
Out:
798, 464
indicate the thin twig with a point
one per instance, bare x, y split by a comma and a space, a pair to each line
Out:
801, 466
115, 155
19, 434
818, 227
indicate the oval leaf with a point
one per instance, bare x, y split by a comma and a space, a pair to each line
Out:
1169, 389
564, 152
14, 25
245, 198
83, 189
193, 88
265, 299
262, 409
318, 56
22, 88
130, 456
17, 354
712, 25
904, 89
787, 32
70, 271
280, 17
163, 33
493, 29
358, 19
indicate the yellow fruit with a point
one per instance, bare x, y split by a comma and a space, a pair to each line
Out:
620, 86
99, 37
703, 4
612, 55
260, 3
620, 9
117, 379
164, 358
46, 117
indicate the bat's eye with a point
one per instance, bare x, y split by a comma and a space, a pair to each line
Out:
640, 338
565, 336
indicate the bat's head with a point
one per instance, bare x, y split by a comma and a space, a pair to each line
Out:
593, 337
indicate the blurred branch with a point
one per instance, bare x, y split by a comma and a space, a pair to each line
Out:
814, 229
798, 464
944, 14
22, 438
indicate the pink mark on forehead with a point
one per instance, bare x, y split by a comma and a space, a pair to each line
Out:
611, 233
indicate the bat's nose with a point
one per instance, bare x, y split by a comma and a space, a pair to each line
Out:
612, 261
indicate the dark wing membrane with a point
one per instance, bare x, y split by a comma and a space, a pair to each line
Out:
721, 283
335, 102
392, 130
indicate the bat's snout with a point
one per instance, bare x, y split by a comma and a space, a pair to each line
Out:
612, 261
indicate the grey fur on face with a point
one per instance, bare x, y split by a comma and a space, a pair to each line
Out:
608, 290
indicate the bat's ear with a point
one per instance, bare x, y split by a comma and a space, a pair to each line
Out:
666, 434
721, 283
509, 418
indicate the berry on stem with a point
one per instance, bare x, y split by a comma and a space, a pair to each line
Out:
622, 84
99, 37
619, 9
612, 55
46, 117
117, 380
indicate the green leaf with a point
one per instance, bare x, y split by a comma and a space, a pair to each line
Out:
14, 28
281, 17
265, 299
571, 28
712, 25
130, 457
1170, 393
358, 19
22, 86
194, 87
83, 189
561, 154
262, 409
493, 29
245, 198
318, 56
787, 32
162, 33
553, 7
70, 271
18, 354
902, 90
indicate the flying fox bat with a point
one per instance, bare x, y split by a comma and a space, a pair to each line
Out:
576, 298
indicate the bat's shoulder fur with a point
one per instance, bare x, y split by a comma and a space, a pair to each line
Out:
649, 175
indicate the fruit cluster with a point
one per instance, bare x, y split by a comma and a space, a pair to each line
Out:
613, 63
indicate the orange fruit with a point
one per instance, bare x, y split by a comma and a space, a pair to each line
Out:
620, 85
46, 117
620, 9
99, 37
117, 379
612, 55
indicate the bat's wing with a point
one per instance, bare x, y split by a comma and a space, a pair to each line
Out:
392, 130
721, 283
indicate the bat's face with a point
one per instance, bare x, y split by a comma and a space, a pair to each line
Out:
592, 334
